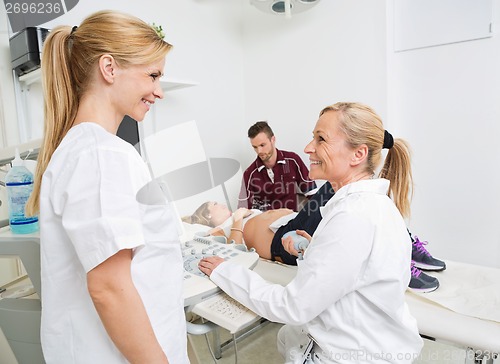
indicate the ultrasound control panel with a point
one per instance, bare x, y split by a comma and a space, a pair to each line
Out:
197, 286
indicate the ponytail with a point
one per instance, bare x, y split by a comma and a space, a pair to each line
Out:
60, 104
397, 169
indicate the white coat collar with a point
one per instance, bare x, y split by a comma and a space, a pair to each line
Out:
377, 185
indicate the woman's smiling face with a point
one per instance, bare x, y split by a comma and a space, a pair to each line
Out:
329, 154
139, 87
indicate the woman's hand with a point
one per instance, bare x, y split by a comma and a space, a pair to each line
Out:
288, 243
236, 234
241, 213
216, 231
208, 264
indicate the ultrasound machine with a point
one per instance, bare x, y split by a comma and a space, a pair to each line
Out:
20, 306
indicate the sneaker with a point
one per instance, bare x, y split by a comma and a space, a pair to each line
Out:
421, 282
423, 259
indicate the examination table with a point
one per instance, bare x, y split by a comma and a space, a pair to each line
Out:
464, 310
459, 326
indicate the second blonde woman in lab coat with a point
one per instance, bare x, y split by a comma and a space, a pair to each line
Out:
111, 262
347, 298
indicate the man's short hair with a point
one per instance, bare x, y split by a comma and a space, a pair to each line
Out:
260, 127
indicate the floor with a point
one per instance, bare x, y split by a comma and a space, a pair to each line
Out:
260, 347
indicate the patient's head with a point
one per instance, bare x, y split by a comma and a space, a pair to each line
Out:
210, 213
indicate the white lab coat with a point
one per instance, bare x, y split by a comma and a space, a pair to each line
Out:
349, 289
90, 208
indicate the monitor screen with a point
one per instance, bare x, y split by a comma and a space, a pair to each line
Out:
129, 131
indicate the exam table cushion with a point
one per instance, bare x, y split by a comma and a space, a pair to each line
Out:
468, 289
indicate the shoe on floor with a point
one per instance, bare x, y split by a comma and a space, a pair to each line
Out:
421, 282
423, 259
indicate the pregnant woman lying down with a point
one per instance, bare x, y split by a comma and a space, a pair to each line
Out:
262, 230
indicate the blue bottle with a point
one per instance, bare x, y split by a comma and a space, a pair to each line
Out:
19, 183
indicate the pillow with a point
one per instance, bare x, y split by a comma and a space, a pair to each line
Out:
194, 228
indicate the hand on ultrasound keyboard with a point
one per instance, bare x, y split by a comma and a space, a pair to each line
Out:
208, 264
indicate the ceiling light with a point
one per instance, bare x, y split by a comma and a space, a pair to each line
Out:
283, 7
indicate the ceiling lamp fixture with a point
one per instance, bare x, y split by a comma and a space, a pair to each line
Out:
284, 7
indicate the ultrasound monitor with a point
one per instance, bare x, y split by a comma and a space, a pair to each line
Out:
129, 131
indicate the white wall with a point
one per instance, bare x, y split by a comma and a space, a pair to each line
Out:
206, 36
8, 114
207, 50
445, 101
251, 65
294, 67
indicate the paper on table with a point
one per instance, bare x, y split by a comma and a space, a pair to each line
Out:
468, 289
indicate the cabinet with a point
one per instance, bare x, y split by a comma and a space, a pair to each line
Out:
20, 318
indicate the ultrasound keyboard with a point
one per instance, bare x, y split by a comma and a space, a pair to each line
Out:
226, 312
197, 286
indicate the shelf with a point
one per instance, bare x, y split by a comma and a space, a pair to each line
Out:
31, 77
171, 84
168, 84
30, 148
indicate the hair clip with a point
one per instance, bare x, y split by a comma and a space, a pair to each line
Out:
159, 30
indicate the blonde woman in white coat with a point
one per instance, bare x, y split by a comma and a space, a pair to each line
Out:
347, 298
105, 248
